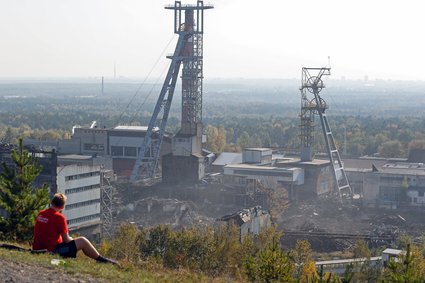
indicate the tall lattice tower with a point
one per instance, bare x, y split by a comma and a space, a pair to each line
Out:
106, 191
192, 73
188, 52
313, 104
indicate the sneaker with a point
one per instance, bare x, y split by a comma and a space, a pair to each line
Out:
102, 259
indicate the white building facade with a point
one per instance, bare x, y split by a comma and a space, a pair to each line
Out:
81, 185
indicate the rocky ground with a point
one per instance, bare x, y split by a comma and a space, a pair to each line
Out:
11, 271
345, 224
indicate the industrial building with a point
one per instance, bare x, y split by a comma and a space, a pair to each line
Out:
271, 177
80, 180
339, 266
115, 148
303, 179
318, 178
379, 182
388, 183
78, 177
124, 147
303, 176
225, 158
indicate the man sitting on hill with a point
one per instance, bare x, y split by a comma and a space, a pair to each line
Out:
51, 233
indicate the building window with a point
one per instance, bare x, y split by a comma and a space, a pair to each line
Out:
81, 189
81, 176
94, 147
393, 179
84, 218
117, 150
81, 204
420, 194
389, 193
130, 151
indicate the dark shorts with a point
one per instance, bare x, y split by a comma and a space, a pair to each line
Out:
66, 249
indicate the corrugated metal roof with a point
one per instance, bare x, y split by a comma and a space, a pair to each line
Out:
297, 162
258, 149
134, 128
392, 251
228, 158
261, 168
75, 156
360, 163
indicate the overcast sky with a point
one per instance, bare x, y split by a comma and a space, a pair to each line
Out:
243, 38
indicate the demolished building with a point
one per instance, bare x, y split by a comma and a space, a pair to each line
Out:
250, 221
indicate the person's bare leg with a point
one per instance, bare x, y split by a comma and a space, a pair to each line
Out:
83, 244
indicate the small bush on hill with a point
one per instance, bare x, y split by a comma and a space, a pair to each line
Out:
215, 252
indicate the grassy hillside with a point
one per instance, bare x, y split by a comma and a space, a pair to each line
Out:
26, 267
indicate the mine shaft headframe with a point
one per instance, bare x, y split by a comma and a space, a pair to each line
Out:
312, 79
198, 10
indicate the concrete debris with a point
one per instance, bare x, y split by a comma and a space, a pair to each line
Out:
153, 211
399, 216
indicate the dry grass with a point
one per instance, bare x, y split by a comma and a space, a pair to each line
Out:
82, 266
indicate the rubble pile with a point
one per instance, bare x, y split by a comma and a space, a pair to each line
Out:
152, 211
326, 223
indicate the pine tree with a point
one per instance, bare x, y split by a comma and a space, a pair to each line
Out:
18, 198
271, 265
8, 136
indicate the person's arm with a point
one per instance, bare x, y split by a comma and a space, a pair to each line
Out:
66, 238
63, 230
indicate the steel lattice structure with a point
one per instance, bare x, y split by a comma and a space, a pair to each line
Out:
311, 83
188, 52
106, 190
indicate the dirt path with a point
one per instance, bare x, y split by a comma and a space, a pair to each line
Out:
26, 272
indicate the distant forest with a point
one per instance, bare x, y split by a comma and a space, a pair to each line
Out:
383, 118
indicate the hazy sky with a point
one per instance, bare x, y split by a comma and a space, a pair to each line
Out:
243, 38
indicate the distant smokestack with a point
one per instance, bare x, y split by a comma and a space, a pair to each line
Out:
102, 85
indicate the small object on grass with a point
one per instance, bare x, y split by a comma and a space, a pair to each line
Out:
56, 261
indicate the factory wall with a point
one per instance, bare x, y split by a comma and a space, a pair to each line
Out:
182, 169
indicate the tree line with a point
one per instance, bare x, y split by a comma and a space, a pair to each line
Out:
364, 120
355, 136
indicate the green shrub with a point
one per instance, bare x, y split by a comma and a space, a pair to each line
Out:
215, 252
154, 243
271, 265
125, 244
19, 198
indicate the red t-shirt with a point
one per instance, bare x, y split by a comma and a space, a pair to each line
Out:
49, 225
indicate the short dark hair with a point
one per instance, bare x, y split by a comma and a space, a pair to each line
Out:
58, 200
